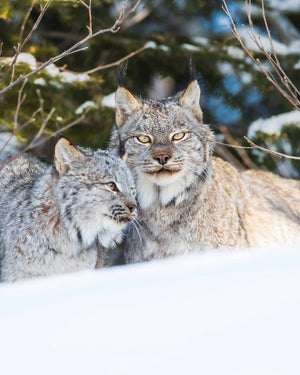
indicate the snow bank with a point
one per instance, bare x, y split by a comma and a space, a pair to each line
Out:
230, 312
274, 124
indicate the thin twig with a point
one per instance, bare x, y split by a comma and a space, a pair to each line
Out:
253, 145
17, 128
75, 47
30, 145
54, 134
20, 101
25, 21
115, 63
274, 153
22, 44
240, 151
289, 91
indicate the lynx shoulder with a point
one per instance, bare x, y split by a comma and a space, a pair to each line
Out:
189, 201
52, 219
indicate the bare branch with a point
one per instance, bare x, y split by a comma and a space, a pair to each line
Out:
21, 99
68, 126
30, 145
115, 63
25, 21
77, 47
240, 150
22, 44
89, 8
282, 83
253, 146
274, 153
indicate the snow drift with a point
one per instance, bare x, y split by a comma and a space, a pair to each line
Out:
230, 312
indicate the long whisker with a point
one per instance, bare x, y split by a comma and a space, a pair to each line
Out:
137, 230
141, 227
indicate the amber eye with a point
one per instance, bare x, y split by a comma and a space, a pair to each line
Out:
143, 139
178, 136
112, 186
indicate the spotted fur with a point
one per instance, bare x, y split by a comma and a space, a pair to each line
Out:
193, 201
52, 219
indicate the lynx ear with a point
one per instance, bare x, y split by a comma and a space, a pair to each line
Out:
191, 99
65, 153
126, 105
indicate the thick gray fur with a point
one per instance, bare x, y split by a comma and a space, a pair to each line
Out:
53, 218
196, 202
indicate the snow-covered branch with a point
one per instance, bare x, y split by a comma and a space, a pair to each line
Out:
75, 48
52, 70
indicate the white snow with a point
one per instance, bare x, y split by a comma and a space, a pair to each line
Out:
83, 106
225, 68
52, 70
189, 47
25, 58
280, 48
286, 5
229, 313
71, 77
151, 44
202, 40
164, 48
297, 65
246, 77
40, 82
236, 52
274, 124
109, 100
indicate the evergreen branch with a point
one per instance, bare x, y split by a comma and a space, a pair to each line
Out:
77, 47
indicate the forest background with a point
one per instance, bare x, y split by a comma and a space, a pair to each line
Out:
157, 40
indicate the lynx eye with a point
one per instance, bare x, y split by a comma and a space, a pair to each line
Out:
112, 186
143, 139
178, 136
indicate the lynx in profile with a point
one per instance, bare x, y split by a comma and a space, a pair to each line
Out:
189, 201
52, 219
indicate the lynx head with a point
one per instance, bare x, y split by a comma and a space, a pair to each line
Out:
95, 192
169, 148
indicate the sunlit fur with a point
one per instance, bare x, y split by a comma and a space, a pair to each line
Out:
52, 219
195, 201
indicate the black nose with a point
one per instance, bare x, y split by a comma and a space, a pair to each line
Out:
162, 158
131, 207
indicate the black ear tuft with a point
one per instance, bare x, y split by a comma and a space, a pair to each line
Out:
121, 74
121, 150
59, 132
192, 71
